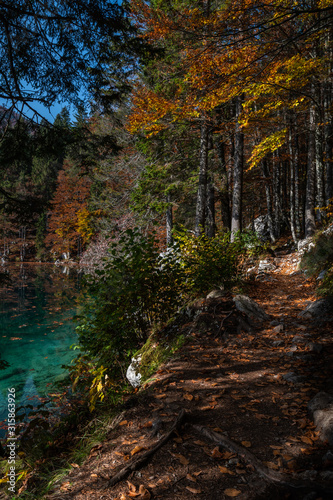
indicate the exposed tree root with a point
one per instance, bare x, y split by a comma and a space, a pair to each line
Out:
139, 462
260, 468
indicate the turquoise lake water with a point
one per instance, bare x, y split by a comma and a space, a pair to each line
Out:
37, 304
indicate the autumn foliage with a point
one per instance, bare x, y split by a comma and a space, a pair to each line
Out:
69, 223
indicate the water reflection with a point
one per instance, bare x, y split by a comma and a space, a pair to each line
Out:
37, 303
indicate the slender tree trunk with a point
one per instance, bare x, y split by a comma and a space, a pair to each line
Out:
236, 215
328, 130
310, 224
169, 224
265, 173
224, 192
276, 196
320, 196
292, 185
202, 189
298, 205
210, 220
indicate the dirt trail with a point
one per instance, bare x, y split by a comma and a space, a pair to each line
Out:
252, 388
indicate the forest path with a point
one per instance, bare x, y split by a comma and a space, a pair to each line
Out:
252, 387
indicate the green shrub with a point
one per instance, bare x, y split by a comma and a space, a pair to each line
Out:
320, 256
140, 288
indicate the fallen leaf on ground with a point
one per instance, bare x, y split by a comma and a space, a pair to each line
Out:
191, 478
216, 453
225, 470
124, 422
232, 492
306, 440
247, 444
189, 397
137, 449
271, 465
182, 459
192, 490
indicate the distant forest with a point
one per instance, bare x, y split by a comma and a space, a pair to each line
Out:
208, 116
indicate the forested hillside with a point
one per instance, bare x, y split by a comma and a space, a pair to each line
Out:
228, 117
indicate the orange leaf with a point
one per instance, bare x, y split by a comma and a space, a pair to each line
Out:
247, 444
192, 490
187, 396
271, 465
225, 470
216, 453
232, 492
191, 478
182, 459
306, 440
124, 422
145, 495
137, 449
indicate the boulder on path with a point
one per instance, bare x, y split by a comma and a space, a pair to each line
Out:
321, 309
321, 411
250, 308
304, 246
260, 226
133, 375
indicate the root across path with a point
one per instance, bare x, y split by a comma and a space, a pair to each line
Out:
227, 417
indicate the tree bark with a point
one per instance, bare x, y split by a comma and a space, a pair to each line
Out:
236, 215
265, 173
169, 224
224, 192
202, 189
310, 224
210, 220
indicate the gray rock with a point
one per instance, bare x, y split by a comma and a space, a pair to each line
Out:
329, 230
297, 339
322, 308
305, 245
315, 347
133, 375
278, 328
293, 348
308, 475
321, 411
326, 475
322, 275
216, 294
293, 377
250, 308
277, 343
260, 227
328, 458
266, 265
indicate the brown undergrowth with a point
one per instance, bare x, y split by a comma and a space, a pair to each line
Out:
224, 382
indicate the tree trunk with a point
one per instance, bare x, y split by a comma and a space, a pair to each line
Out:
236, 215
293, 214
265, 173
169, 224
211, 226
202, 189
224, 192
320, 197
310, 224
276, 196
